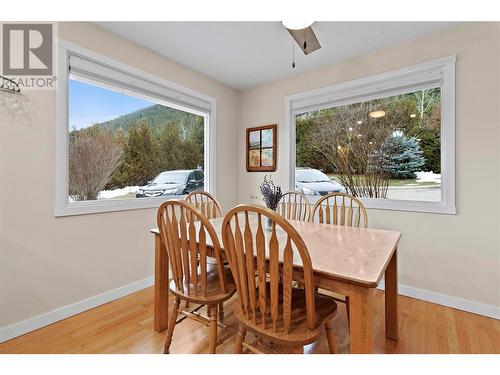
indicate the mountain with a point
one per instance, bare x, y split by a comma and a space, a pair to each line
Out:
155, 116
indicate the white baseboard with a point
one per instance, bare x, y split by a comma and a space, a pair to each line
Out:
445, 300
43, 320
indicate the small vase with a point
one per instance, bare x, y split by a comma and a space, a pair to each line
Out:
268, 224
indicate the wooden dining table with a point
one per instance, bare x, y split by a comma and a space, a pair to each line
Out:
346, 260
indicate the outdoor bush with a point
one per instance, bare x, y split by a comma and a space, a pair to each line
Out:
94, 154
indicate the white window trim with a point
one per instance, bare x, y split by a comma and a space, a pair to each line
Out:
396, 81
175, 95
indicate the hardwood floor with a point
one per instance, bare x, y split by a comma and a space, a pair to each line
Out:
126, 326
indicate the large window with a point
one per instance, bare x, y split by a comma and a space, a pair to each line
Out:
387, 139
130, 140
383, 148
124, 147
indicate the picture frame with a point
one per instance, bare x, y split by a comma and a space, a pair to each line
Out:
261, 148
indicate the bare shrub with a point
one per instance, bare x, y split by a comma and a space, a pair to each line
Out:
94, 154
353, 142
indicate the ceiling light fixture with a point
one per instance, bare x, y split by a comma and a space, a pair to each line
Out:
376, 114
296, 24
303, 34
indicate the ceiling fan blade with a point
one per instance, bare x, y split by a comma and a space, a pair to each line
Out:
305, 35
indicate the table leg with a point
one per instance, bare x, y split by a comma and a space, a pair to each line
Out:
361, 320
391, 298
161, 285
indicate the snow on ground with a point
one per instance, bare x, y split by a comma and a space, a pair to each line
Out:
428, 177
109, 194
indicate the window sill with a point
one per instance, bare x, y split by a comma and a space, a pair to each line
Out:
402, 205
409, 206
110, 205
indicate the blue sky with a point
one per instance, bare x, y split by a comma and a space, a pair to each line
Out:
89, 104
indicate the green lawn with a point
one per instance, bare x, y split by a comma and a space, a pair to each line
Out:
394, 182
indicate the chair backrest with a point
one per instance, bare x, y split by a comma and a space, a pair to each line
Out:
184, 231
247, 245
205, 202
340, 209
294, 206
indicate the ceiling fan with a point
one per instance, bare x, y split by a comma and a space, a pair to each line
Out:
304, 36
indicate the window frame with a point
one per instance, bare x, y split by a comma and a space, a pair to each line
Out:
403, 80
163, 91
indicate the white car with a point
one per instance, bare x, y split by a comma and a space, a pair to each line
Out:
314, 182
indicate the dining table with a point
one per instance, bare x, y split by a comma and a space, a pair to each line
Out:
347, 261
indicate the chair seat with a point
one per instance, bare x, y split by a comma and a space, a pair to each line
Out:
299, 333
214, 293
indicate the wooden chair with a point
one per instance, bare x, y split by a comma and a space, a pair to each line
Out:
205, 202
340, 209
184, 230
294, 206
267, 304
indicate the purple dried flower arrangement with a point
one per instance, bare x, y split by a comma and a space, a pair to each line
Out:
270, 193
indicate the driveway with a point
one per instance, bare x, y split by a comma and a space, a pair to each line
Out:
428, 194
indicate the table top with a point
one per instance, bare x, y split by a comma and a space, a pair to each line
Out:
356, 255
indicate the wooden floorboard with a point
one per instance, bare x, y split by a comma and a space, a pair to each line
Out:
126, 326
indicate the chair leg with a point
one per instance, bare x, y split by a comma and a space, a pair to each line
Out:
221, 312
298, 350
330, 336
240, 338
171, 325
212, 337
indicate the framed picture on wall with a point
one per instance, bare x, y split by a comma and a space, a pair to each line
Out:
261, 148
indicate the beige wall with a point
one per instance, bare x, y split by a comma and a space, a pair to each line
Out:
458, 255
47, 262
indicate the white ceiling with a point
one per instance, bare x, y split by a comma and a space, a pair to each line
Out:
245, 54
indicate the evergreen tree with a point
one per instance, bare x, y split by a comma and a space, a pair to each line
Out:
181, 147
171, 150
430, 143
117, 178
140, 163
402, 156
198, 136
307, 154
192, 157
